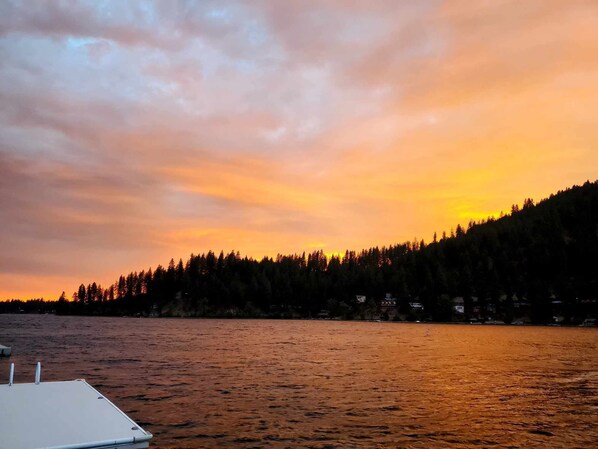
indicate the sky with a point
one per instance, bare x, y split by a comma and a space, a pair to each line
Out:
136, 132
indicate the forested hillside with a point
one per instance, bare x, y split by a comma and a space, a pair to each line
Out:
538, 262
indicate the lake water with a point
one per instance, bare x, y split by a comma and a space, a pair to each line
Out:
324, 384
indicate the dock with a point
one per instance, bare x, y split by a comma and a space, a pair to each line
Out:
4, 351
64, 415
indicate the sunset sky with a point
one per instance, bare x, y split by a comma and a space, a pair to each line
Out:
133, 132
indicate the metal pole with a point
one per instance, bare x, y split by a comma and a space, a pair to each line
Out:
38, 373
11, 377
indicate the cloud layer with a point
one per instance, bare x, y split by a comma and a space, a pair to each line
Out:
133, 132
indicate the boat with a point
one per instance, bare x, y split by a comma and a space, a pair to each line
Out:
63, 415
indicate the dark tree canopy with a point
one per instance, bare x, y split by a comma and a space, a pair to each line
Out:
538, 261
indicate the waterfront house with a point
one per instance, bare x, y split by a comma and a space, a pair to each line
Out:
459, 305
416, 306
388, 306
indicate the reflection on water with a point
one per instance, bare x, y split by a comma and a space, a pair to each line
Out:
325, 384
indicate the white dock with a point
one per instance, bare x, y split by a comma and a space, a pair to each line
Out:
4, 351
64, 415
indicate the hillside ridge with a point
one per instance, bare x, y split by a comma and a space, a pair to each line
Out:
537, 264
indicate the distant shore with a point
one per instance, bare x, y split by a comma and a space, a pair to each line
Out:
589, 323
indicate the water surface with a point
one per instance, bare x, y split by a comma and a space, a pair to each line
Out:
324, 384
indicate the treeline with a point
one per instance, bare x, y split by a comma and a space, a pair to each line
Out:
535, 262
38, 305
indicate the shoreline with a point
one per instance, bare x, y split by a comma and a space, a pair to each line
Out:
231, 318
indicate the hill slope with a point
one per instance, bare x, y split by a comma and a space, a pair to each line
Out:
536, 263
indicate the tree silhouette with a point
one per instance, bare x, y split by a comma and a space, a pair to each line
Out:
537, 263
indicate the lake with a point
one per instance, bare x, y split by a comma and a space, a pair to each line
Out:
324, 384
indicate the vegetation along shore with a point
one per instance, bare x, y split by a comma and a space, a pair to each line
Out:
538, 264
